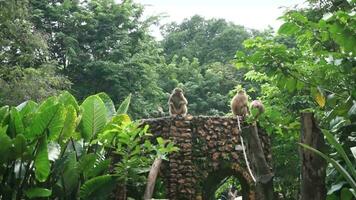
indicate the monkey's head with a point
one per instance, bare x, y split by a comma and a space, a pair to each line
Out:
178, 91
241, 92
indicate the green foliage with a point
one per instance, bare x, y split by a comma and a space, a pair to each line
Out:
124, 106
38, 192
307, 66
46, 154
42, 165
93, 117
98, 187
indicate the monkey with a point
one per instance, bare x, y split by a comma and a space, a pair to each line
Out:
257, 104
177, 103
239, 104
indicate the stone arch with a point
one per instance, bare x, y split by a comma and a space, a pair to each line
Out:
207, 145
210, 184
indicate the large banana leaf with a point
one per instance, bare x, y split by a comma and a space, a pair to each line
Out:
97, 188
93, 117
71, 174
4, 111
69, 124
50, 118
16, 125
42, 165
19, 145
27, 110
86, 163
110, 107
5, 144
124, 106
68, 99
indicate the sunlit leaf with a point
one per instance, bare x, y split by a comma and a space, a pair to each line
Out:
38, 192
288, 28
42, 165
93, 117
109, 104
320, 99
124, 105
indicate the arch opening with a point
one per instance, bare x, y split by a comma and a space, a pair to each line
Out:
221, 179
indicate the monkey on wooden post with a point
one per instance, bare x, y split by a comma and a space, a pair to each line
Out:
177, 103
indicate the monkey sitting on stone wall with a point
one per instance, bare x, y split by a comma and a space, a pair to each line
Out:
239, 105
177, 103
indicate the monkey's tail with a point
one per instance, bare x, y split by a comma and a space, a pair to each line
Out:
244, 151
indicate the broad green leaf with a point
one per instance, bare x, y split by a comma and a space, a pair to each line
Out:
5, 144
68, 99
109, 104
288, 28
26, 107
16, 125
69, 124
98, 188
57, 124
299, 17
42, 165
50, 118
340, 151
38, 192
20, 145
4, 112
86, 163
335, 164
49, 102
124, 105
71, 174
27, 110
101, 167
93, 117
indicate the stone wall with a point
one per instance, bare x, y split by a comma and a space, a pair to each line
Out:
210, 150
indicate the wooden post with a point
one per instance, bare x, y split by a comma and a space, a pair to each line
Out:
313, 167
152, 176
263, 172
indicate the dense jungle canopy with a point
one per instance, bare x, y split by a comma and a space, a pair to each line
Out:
86, 70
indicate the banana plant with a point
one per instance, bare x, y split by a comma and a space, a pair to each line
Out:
61, 149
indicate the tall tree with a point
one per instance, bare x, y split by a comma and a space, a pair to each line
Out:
103, 45
26, 71
213, 40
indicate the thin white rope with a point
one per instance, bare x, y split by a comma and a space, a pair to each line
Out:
243, 150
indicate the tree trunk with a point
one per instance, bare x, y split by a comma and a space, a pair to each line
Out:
152, 176
121, 191
262, 171
313, 167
